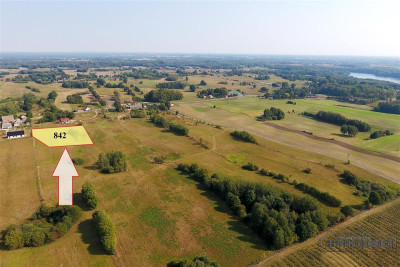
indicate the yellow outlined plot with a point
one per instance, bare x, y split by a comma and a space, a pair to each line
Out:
62, 136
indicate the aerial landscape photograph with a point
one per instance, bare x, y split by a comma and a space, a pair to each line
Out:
199, 133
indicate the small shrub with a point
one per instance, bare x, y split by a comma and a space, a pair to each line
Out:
307, 170
78, 161
250, 167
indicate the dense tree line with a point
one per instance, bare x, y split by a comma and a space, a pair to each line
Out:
112, 162
339, 119
75, 84
275, 215
145, 74
217, 92
75, 99
89, 77
171, 85
114, 85
97, 96
380, 193
388, 107
89, 195
163, 95
324, 197
106, 231
243, 136
46, 225
272, 114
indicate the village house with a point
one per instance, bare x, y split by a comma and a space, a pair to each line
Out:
234, 93
16, 134
136, 106
6, 119
23, 118
86, 109
63, 120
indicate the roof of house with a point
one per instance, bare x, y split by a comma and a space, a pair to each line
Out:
16, 133
63, 119
7, 118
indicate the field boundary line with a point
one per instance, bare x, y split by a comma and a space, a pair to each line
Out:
37, 172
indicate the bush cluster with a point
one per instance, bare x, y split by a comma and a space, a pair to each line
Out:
177, 128
75, 99
250, 167
349, 129
378, 134
276, 215
377, 193
112, 162
196, 262
106, 231
89, 195
244, 136
273, 114
47, 224
138, 113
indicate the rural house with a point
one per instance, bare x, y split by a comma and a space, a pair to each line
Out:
86, 109
6, 119
16, 134
18, 123
63, 120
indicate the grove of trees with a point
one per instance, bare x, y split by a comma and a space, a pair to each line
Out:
163, 95
112, 162
106, 231
273, 114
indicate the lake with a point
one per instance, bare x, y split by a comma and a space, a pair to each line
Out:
374, 77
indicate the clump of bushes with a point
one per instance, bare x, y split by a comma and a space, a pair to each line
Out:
47, 224
378, 134
106, 231
291, 102
196, 262
178, 128
78, 161
347, 211
112, 162
307, 170
377, 193
244, 136
273, 114
89, 195
250, 167
349, 129
138, 113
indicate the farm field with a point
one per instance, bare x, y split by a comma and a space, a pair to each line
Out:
379, 121
159, 214
381, 221
238, 120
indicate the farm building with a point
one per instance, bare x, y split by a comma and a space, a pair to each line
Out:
6, 119
6, 126
234, 93
63, 120
16, 134
86, 109
18, 123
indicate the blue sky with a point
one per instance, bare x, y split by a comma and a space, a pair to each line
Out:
369, 28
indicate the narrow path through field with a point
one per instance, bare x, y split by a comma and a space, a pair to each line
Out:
340, 143
282, 253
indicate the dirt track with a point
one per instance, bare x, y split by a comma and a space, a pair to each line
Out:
340, 143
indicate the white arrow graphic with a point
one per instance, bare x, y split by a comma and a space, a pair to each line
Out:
65, 170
